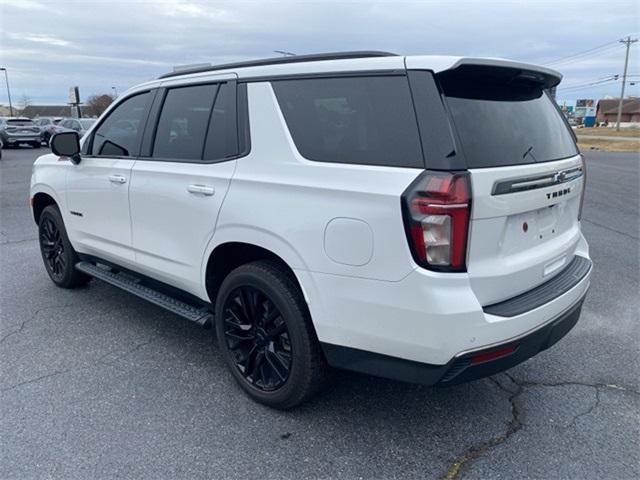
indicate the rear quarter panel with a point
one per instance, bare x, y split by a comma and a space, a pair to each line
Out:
317, 214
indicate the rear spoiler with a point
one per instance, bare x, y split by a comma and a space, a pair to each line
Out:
548, 77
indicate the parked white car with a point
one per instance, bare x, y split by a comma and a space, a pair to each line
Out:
416, 218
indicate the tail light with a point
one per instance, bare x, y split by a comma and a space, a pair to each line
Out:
436, 209
584, 185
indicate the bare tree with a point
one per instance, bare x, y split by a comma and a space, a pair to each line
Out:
25, 101
96, 104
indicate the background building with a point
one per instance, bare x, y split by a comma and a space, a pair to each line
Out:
607, 110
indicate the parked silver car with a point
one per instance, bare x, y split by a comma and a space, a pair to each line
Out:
47, 127
19, 130
80, 125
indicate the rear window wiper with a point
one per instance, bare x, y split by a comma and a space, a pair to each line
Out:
528, 152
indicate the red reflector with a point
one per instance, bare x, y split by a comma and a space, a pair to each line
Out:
493, 354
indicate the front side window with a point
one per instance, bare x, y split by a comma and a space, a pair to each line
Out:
360, 120
120, 133
182, 126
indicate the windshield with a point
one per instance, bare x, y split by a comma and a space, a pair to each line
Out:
504, 120
87, 123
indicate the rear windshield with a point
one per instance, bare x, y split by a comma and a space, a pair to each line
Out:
361, 120
503, 119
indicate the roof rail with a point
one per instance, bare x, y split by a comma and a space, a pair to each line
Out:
282, 60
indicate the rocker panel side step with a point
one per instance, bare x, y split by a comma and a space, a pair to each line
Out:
199, 315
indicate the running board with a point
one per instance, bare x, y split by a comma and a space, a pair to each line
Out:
202, 316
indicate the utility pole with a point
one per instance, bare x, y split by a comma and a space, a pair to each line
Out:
6, 77
628, 43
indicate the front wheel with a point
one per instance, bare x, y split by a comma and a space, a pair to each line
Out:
58, 255
266, 336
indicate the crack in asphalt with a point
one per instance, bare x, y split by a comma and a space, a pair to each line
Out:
476, 451
37, 312
93, 364
22, 325
589, 411
460, 465
13, 242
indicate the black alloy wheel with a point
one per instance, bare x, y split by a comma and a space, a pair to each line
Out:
257, 335
58, 255
53, 251
266, 336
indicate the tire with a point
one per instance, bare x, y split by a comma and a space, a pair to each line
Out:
266, 337
35, 144
58, 255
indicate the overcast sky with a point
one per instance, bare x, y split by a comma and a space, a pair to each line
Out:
48, 46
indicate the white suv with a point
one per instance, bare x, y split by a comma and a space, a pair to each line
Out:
415, 218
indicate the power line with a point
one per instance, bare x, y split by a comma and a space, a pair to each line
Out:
585, 87
589, 81
579, 56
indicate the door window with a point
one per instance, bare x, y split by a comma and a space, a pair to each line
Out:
222, 139
182, 126
120, 133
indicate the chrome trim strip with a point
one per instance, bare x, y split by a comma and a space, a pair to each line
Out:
523, 184
453, 205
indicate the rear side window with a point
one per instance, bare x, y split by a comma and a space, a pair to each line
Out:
120, 133
503, 119
361, 120
222, 138
182, 126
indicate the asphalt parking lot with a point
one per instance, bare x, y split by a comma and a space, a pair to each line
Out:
96, 383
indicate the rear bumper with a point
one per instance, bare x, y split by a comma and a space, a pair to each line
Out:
26, 138
462, 368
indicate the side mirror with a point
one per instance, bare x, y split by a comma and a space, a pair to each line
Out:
66, 144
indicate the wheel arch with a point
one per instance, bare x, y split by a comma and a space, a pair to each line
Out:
39, 201
231, 254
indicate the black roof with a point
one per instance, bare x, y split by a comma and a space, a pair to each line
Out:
316, 57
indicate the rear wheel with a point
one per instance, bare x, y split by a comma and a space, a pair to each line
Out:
266, 336
58, 255
36, 144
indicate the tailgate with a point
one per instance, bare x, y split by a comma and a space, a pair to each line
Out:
526, 177
524, 226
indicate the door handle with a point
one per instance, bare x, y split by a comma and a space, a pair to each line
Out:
117, 179
201, 189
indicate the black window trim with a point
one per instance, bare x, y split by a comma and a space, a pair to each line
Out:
89, 141
151, 128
